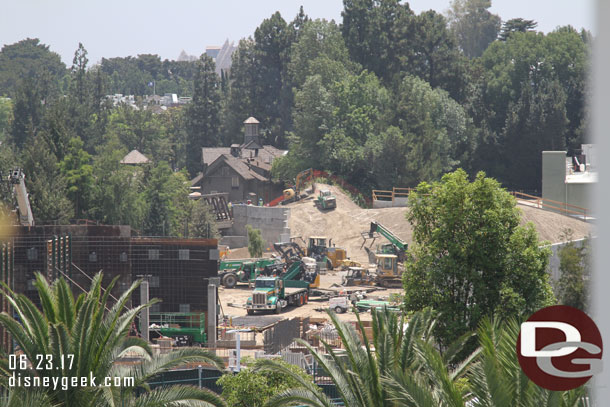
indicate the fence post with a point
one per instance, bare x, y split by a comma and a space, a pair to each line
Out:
199, 369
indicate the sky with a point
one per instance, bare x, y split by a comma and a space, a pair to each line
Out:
130, 27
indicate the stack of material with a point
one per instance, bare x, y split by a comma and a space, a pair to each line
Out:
165, 344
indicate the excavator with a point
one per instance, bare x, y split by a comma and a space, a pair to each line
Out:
296, 192
389, 258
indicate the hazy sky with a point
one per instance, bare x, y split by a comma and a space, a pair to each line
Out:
130, 27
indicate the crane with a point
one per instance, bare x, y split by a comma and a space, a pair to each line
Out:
17, 179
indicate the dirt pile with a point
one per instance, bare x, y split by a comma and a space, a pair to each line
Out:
346, 223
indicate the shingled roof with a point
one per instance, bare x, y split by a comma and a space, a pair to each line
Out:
239, 165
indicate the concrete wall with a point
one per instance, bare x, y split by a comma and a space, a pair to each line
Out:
579, 194
273, 222
398, 202
234, 241
554, 175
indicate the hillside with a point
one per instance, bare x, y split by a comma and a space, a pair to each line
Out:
346, 223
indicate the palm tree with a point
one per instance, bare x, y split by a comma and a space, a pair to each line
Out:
390, 370
496, 378
96, 337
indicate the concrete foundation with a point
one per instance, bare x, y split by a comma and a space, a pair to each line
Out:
272, 221
397, 202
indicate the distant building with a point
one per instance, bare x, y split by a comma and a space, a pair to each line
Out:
569, 180
212, 51
224, 57
243, 171
134, 157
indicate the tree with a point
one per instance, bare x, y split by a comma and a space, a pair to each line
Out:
46, 185
515, 25
256, 244
116, 193
575, 268
168, 205
473, 25
31, 59
77, 170
253, 387
201, 117
202, 221
6, 118
95, 332
372, 32
28, 110
470, 258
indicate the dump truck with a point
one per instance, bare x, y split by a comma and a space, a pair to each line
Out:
326, 200
232, 272
276, 293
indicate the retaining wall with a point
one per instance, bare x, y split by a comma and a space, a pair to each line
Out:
272, 221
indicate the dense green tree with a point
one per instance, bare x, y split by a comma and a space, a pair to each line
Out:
116, 193
428, 50
77, 169
252, 387
202, 221
473, 25
256, 244
94, 332
372, 32
6, 118
515, 25
202, 115
168, 205
47, 186
28, 110
575, 274
470, 258
31, 59
173, 121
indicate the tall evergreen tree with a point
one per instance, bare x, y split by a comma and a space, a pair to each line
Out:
473, 26
202, 115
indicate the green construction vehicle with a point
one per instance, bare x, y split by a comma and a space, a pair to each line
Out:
326, 200
232, 272
389, 257
180, 324
276, 293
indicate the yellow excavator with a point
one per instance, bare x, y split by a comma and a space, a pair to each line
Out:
297, 192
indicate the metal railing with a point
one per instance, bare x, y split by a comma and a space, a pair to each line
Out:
544, 203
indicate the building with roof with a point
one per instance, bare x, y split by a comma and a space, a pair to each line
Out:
569, 180
241, 170
134, 157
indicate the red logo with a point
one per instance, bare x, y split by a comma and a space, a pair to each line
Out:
559, 348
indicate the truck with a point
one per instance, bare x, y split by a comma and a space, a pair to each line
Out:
276, 293
232, 272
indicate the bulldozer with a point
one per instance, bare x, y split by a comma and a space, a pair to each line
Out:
357, 276
389, 274
326, 200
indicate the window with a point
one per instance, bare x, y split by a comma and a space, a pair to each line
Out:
235, 182
183, 254
92, 257
32, 253
153, 254
185, 307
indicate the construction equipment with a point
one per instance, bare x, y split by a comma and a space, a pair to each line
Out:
275, 293
389, 274
180, 324
289, 251
297, 191
357, 276
17, 179
397, 246
326, 200
232, 272
319, 247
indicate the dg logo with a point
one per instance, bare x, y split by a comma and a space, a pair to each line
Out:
559, 348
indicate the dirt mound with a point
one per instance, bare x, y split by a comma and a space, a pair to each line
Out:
346, 223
